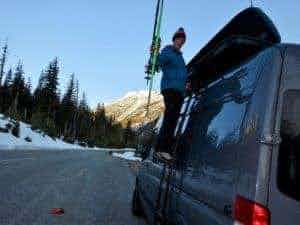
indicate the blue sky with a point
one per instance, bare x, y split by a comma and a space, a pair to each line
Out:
105, 43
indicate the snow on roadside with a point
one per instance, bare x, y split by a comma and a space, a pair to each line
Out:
39, 140
127, 155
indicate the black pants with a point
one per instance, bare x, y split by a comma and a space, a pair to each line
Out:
173, 100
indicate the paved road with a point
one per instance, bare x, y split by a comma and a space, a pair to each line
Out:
92, 187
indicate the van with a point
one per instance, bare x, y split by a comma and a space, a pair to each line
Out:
237, 161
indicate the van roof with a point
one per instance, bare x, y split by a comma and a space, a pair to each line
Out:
245, 35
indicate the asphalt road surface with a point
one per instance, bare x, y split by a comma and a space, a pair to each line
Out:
92, 187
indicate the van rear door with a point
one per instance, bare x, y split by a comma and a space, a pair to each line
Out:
284, 196
284, 201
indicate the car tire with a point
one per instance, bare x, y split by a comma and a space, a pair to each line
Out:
136, 206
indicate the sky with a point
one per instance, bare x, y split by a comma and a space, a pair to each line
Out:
106, 43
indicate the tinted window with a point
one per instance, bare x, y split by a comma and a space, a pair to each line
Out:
289, 152
214, 127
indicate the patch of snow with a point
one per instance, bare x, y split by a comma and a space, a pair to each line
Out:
127, 155
136, 93
142, 95
39, 139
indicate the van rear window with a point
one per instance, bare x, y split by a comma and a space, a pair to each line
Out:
289, 153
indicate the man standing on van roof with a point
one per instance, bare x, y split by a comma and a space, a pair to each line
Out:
173, 86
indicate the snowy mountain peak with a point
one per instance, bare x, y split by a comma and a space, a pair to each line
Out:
136, 93
132, 107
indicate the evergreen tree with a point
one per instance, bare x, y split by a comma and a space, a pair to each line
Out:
74, 125
46, 99
41, 82
6, 95
51, 89
3, 90
28, 84
128, 134
67, 110
46, 94
83, 102
85, 121
17, 90
38, 93
8, 79
18, 83
2, 62
100, 125
20, 99
51, 78
27, 101
115, 136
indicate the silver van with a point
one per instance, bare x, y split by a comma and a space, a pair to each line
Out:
237, 158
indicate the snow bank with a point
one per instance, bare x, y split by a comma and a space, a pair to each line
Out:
41, 141
38, 139
127, 155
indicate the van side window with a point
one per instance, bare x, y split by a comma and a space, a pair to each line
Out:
215, 128
288, 173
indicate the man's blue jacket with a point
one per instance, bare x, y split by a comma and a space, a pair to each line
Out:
172, 64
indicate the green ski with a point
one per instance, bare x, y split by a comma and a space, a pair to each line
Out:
154, 54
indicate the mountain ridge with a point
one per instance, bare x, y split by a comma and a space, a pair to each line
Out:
132, 107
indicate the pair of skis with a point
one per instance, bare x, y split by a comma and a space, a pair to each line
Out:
156, 39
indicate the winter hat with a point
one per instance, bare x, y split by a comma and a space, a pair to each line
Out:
179, 34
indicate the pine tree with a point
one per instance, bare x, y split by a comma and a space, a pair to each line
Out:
28, 84
2, 90
2, 62
46, 99
83, 102
6, 95
8, 79
18, 83
18, 86
67, 109
13, 109
100, 125
41, 82
51, 78
127, 133
27, 101
46, 94
75, 121
69, 97
38, 95
84, 121
51, 89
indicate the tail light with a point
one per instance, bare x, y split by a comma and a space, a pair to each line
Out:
247, 212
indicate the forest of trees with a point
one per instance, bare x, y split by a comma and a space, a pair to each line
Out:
60, 115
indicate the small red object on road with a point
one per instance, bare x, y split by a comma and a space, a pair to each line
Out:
57, 211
